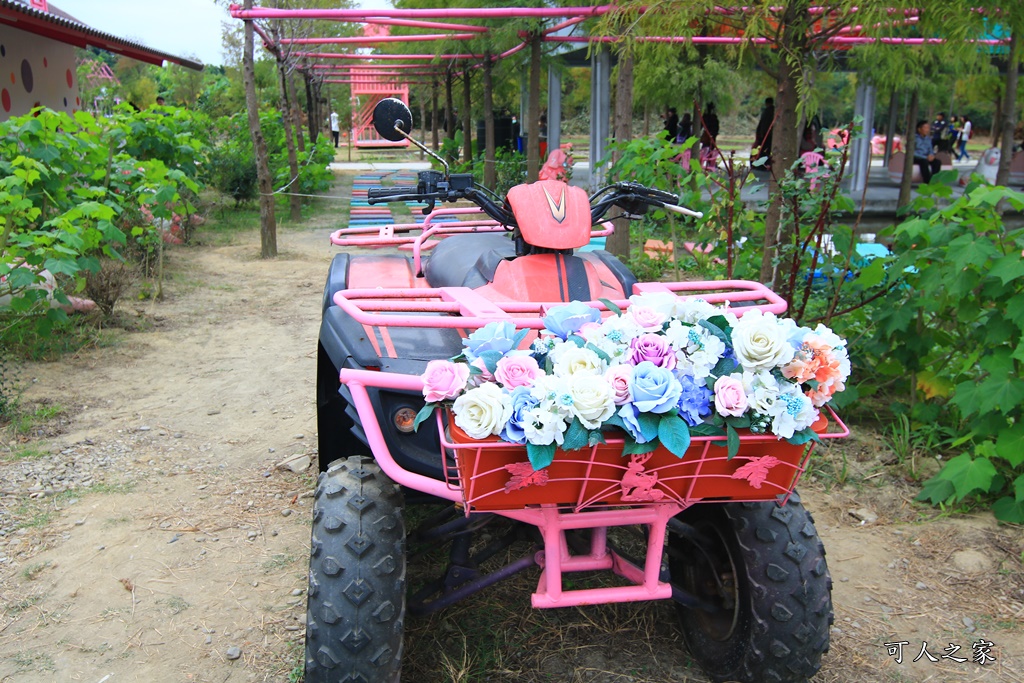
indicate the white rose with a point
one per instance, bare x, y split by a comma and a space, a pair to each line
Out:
593, 399
483, 411
760, 342
571, 359
543, 427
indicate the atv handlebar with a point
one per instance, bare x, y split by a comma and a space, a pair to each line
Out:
388, 192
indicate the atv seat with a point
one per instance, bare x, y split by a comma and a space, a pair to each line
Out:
467, 260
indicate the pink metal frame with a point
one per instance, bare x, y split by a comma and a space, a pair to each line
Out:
467, 311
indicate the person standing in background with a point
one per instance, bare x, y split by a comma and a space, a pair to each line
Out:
335, 130
965, 134
671, 124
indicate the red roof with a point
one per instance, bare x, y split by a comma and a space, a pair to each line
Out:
64, 28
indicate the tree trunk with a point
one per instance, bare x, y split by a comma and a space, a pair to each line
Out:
310, 109
908, 162
1009, 110
533, 113
618, 242
449, 106
490, 172
294, 200
467, 117
997, 121
296, 112
890, 126
435, 138
423, 119
268, 226
647, 120
783, 154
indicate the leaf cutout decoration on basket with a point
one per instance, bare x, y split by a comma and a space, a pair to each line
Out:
524, 475
756, 471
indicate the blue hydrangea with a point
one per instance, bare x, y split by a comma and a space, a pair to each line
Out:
694, 401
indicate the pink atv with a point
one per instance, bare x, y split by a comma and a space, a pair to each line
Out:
725, 538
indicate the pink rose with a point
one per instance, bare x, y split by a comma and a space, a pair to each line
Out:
618, 377
485, 374
516, 371
654, 348
589, 330
444, 380
730, 399
647, 318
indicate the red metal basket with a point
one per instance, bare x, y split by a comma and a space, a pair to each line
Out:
496, 475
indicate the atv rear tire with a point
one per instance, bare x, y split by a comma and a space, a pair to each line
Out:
764, 567
356, 603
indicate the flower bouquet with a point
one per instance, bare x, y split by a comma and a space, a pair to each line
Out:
659, 373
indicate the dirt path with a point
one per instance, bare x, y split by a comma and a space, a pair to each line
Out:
182, 546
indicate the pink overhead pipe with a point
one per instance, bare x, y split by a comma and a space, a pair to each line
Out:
469, 13
427, 24
359, 40
737, 40
342, 55
370, 66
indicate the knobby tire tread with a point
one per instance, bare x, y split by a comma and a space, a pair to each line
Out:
356, 601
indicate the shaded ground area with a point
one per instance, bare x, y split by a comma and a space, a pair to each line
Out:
145, 533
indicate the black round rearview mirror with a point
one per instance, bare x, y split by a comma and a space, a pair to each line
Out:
388, 114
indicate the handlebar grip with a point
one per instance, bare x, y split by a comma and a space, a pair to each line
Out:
683, 210
385, 192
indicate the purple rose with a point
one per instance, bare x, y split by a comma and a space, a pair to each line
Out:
652, 348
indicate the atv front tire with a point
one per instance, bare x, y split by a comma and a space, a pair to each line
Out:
356, 602
764, 569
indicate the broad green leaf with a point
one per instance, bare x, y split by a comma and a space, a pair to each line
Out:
648, 425
968, 474
803, 436
732, 441
674, 434
577, 340
1010, 444
490, 359
632, 447
520, 336
936, 491
971, 250
1008, 509
871, 274
1001, 392
63, 266
705, 429
576, 436
1008, 268
540, 456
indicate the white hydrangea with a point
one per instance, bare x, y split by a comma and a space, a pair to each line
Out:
697, 350
762, 391
792, 411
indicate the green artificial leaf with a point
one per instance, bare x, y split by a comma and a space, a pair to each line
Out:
732, 441
577, 340
632, 447
741, 422
725, 366
968, 474
520, 336
614, 421
722, 323
1009, 509
595, 437
612, 306
716, 331
425, 412
576, 436
674, 434
648, 425
540, 456
600, 354
803, 436
1010, 444
936, 491
705, 429
490, 359
1008, 268
871, 274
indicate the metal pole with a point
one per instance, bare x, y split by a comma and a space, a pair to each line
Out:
554, 108
600, 105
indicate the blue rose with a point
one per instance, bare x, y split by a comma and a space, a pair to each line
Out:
496, 336
654, 389
522, 402
630, 418
563, 321
694, 401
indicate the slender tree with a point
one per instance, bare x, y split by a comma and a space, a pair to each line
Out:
618, 242
268, 223
533, 112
